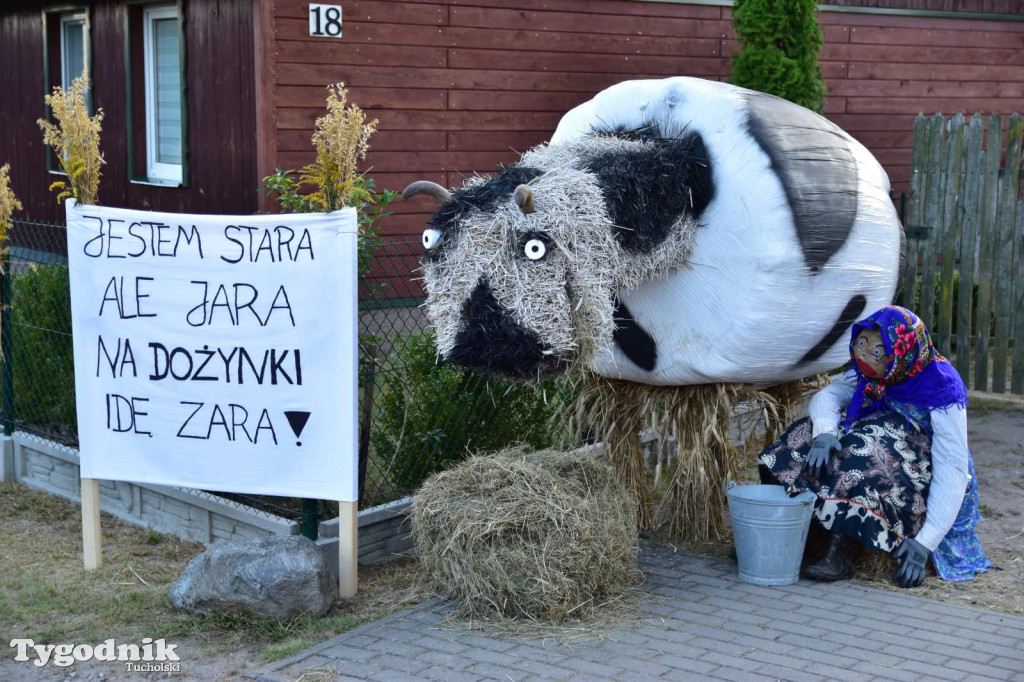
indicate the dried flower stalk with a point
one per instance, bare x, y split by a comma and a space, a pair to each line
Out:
341, 139
8, 203
75, 138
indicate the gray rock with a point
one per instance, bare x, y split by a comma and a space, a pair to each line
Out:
276, 577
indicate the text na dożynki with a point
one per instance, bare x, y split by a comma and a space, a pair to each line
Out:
204, 303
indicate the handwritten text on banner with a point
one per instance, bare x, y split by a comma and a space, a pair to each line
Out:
216, 352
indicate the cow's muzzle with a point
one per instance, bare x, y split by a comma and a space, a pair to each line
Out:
491, 341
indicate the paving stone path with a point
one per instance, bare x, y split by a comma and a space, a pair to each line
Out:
699, 623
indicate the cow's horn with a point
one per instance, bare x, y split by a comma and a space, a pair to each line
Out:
427, 187
524, 198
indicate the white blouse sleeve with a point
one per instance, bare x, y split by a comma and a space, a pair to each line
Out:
827, 405
949, 474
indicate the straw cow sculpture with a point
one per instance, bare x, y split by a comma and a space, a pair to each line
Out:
673, 232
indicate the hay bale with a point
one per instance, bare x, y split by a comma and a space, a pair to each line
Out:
545, 535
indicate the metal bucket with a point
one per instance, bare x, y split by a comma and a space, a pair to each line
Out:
770, 530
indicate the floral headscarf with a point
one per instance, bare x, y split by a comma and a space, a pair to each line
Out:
916, 380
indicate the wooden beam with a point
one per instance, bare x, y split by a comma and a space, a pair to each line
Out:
348, 549
92, 539
266, 83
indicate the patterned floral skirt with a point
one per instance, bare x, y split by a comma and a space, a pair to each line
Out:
876, 492
959, 556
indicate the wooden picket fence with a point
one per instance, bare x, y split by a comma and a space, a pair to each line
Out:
964, 271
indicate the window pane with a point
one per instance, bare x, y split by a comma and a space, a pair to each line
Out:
74, 51
167, 90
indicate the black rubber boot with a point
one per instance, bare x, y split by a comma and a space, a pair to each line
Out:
837, 564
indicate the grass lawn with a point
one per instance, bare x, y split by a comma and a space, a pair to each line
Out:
45, 594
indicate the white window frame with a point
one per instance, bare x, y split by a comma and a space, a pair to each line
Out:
165, 172
72, 18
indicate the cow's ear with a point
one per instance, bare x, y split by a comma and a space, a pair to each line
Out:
649, 188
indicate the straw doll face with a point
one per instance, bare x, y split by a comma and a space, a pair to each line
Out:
869, 353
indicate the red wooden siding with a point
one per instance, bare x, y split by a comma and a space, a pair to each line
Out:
220, 83
21, 75
460, 86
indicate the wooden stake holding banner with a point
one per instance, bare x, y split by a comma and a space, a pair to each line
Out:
348, 549
92, 538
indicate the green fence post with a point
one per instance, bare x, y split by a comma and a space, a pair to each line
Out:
7, 378
367, 376
310, 525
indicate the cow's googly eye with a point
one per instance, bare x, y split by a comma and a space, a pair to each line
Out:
535, 249
431, 238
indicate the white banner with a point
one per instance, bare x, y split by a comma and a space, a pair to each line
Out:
216, 352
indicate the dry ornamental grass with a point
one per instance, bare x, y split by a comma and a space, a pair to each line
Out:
341, 139
8, 202
75, 139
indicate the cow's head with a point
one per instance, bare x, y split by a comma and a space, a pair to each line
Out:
521, 268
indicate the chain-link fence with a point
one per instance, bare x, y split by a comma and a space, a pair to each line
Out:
416, 415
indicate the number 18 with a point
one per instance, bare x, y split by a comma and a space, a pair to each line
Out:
325, 20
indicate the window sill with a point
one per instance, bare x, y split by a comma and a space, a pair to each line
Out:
155, 182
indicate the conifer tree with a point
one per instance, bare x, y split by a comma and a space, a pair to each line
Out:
779, 43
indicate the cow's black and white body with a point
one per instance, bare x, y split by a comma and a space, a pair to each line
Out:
692, 232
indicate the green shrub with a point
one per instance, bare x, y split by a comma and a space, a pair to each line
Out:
371, 206
430, 414
41, 350
779, 41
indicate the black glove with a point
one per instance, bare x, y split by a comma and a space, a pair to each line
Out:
819, 457
914, 556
